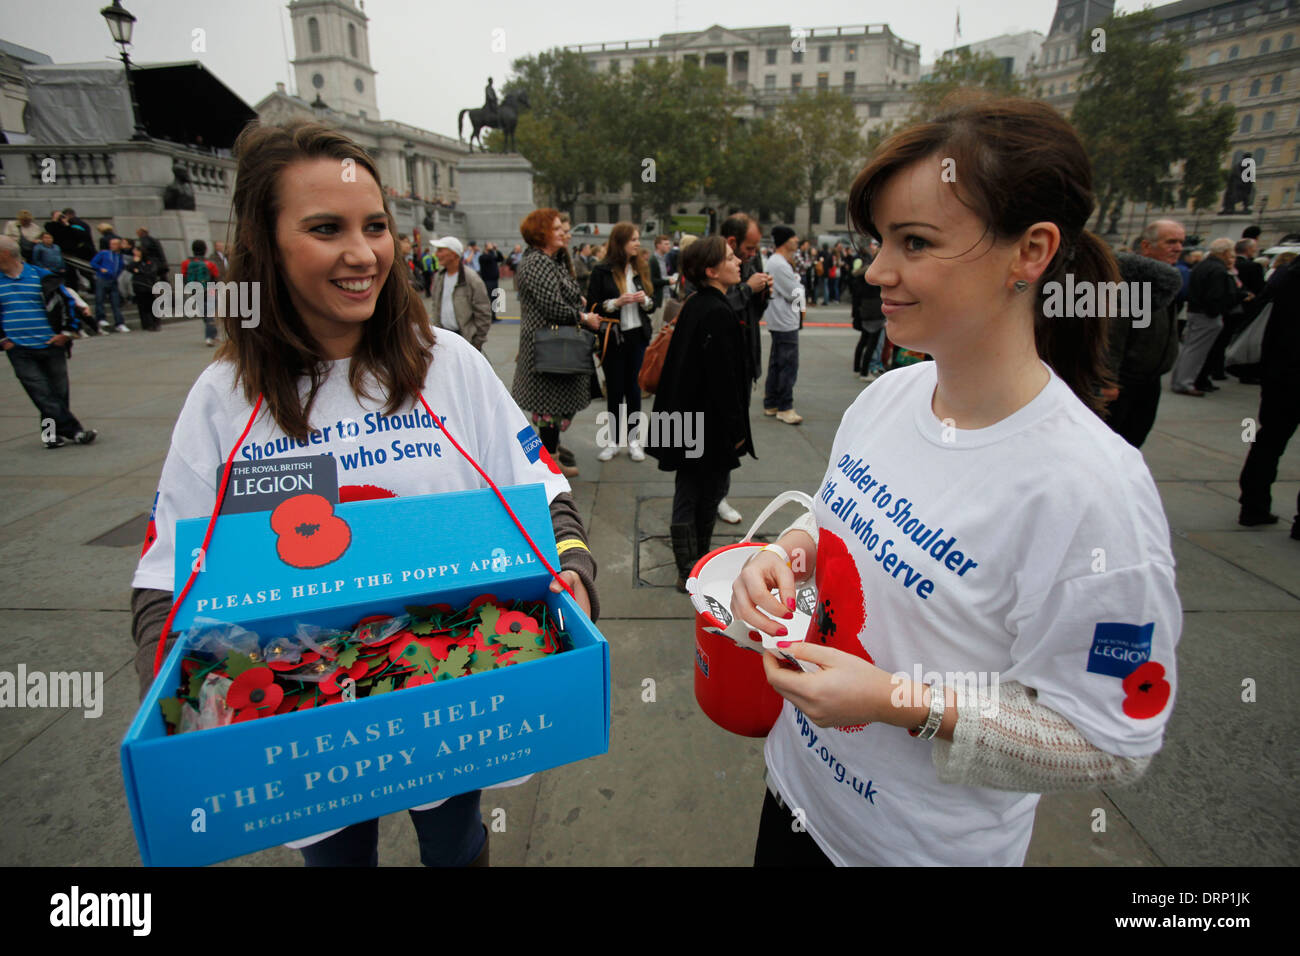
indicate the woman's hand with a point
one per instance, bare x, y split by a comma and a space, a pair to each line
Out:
627, 297
576, 586
751, 593
590, 319
847, 690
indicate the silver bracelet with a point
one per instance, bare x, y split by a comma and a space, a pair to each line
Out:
938, 701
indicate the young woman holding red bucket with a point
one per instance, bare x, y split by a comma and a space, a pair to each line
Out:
980, 533
340, 356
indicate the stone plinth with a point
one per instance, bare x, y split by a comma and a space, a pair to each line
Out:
496, 193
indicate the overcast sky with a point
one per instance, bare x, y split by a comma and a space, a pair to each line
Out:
434, 57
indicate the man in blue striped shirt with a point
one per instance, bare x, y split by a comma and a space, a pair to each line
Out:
38, 355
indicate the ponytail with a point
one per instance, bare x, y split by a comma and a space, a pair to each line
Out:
1077, 348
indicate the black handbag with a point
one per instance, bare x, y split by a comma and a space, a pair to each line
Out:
563, 350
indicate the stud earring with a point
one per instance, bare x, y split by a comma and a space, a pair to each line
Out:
1020, 285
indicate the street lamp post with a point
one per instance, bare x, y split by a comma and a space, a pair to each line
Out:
120, 25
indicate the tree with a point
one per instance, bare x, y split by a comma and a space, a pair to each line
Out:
562, 133
1207, 132
1130, 113
963, 70
827, 147
757, 170
666, 130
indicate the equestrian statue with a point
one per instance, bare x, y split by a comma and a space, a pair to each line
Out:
493, 115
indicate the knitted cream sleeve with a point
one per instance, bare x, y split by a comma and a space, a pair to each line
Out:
1025, 746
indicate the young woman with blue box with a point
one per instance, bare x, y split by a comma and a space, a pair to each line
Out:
340, 350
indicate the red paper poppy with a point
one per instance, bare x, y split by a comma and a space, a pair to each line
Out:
516, 622
1146, 691
482, 599
289, 703
419, 679
255, 689
334, 683
308, 533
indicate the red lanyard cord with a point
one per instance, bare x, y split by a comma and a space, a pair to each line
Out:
212, 521
442, 424
221, 493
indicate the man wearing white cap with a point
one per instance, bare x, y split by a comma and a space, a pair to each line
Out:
460, 299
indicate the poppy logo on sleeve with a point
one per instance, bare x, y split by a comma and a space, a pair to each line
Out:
309, 533
1146, 692
151, 532
534, 450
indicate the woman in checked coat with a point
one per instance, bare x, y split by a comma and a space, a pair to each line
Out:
548, 295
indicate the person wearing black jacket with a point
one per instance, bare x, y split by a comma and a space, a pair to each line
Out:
144, 271
1279, 399
489, 269
868, 319
705, 380
1251, 276
619, 290
1212, 294
1143, 348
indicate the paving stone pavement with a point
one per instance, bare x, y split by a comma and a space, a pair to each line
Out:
673, 789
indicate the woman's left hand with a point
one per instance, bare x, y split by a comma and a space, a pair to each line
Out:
847, 690
575, 585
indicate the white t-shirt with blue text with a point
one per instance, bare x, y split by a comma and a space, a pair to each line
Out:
1034, 550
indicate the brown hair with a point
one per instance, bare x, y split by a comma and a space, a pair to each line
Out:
702, 254
272, 358
616, 256
1020, 162
537, 225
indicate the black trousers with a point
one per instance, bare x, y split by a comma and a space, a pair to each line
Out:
866, 347
1213, 366
1133, 413
1279, 415
44, 376
449, 835
695, 501
622, 365
780, 843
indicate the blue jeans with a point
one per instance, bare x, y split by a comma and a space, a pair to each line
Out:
108, 288
833, 288
782, 370
449, 835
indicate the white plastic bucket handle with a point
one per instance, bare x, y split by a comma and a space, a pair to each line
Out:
775, 505
738, 630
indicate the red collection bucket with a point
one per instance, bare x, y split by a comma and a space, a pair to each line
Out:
730, 684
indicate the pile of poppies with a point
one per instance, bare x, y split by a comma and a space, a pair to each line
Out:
227, 680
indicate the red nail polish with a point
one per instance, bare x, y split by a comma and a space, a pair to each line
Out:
784, 643
755, 636
781, 632
790, 603
789, 614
